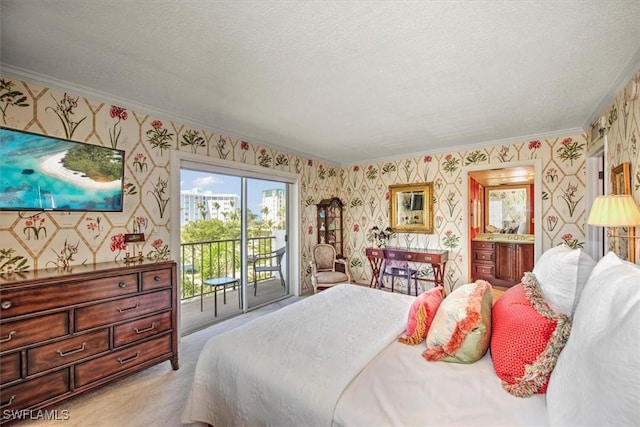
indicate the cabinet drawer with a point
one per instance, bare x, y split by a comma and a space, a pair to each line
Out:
121, 360
483, 270
24, 332
156, 279
33, 392
483, 245
138, 329
9, 367
122, 309
29, 300
486, 256
62, 352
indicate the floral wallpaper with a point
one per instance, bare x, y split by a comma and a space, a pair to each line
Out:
60, 240
52, 239
365, 188
620, 126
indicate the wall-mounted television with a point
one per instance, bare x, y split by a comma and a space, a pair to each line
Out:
44, 173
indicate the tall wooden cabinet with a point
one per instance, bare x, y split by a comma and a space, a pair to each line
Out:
63, 333
501, 263
329, 228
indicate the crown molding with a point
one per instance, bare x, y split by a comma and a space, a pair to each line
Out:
97, 95
475, 146
633, 66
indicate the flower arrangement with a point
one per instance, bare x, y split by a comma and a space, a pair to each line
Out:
378, 237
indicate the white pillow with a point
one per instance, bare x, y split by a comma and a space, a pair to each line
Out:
562, 273
596, 380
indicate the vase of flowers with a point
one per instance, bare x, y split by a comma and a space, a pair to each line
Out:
379, 238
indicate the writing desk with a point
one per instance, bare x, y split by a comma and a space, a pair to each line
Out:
378, 258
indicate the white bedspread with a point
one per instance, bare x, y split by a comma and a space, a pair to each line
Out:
291, 366
400, 388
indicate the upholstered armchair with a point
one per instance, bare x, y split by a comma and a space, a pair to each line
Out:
323, 267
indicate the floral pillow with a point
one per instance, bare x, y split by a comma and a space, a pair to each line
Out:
461, 330
527, 338
421, 315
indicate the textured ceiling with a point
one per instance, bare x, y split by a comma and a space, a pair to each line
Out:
344, 81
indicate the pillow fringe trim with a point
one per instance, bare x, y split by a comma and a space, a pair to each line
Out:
420, 331
536, 375
463, 327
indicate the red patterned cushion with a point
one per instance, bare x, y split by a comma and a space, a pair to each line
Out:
526, 339
421, 315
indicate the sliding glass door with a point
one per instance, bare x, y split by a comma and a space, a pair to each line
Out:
233, 244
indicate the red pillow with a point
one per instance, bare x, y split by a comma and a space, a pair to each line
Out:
526, 339
421, 314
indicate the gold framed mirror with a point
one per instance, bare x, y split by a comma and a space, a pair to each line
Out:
411, 208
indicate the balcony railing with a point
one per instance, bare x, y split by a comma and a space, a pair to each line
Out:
217, 258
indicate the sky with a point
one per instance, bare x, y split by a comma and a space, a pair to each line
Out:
227, 184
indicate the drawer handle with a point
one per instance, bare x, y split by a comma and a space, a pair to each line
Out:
408, 256
6, 405
8, 338
392, 255
142, 331
6, 305
122, 310
131, 359
70, 352
122, 285
157, 278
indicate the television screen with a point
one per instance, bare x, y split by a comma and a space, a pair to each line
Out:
416, 202
39, 172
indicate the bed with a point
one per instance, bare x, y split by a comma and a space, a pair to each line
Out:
344, 368
334, 359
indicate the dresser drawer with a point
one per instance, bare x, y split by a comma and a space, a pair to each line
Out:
119, 361
483, 245
483, 256
142, 328
122, 309
35, 391
156, 279
29, 300
10, 367
24, 332
66, 351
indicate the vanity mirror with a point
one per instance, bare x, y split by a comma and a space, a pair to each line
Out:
507, 209
411, 208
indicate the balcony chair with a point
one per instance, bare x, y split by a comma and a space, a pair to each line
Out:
271, 261
323, 267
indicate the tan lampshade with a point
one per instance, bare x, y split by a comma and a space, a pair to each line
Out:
614, 211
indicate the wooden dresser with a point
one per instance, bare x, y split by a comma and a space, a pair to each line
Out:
501, 263
63, 333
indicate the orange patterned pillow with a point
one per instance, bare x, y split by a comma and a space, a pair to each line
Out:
461, 329
527, 338
421, 315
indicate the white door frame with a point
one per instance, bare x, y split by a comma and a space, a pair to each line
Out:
537, 208
180, 159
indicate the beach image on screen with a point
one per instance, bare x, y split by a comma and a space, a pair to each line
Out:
40, 172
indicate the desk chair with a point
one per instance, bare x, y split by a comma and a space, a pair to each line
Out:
395, 268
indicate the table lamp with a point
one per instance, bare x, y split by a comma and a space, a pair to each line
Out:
614, 211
